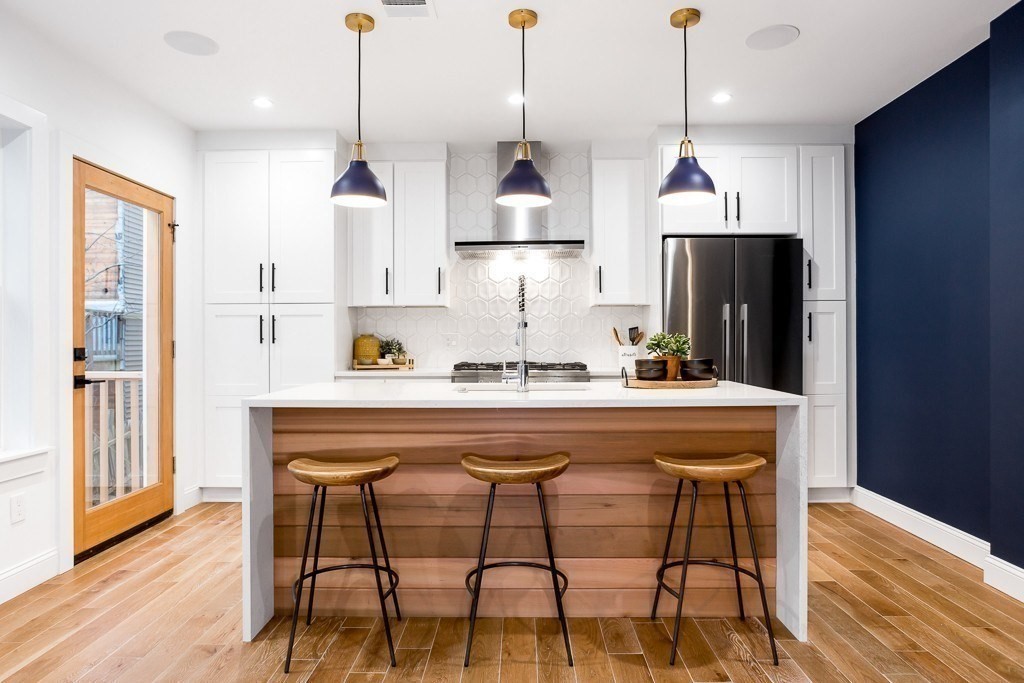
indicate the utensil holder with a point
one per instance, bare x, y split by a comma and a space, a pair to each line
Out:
627, 355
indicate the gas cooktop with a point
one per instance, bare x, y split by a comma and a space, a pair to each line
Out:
540, 371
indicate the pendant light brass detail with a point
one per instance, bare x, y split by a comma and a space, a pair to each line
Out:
357, 21
685, 18
522, 18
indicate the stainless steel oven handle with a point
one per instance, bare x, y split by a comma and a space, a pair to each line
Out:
726, 330
744, 370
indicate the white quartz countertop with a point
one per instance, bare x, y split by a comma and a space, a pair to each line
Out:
444, 394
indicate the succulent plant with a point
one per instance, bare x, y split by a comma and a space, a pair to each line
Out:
662, 344
391, 346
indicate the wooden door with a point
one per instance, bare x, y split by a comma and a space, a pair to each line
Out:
421, 233
123, 308
372, 247
235, 227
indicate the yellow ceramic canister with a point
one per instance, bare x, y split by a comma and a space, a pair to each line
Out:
366, 349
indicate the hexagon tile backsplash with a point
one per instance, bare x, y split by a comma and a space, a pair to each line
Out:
480, 324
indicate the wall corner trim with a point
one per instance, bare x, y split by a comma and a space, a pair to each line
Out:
1005, 577
830, 494
965, 546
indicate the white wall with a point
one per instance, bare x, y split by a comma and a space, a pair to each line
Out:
99, 120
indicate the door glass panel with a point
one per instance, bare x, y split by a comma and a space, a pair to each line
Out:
122, 336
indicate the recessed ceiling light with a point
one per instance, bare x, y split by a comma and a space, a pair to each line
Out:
516, 99
262, 102
773, 37
192, 43
721, 97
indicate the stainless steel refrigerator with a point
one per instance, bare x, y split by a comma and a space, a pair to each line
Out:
740, 301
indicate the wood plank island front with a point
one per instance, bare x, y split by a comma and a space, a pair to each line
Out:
609, 512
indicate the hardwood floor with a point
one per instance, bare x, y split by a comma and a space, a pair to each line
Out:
165, 606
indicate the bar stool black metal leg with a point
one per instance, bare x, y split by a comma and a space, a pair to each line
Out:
757, 570
668, 546
297, 592
376, 574
316, 557
682, 577
384, 551
554, 576
732, 542
480, 572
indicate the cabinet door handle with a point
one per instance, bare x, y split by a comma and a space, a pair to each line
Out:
809, 274
386, 277
737, 207
273, 277
439, 279
261, 278
261, 328
726, 216
600, 281
810, 336
273, 329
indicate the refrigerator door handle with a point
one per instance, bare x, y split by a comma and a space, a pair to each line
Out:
726, 334
743, 371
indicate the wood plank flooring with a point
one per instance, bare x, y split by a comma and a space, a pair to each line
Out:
165, 606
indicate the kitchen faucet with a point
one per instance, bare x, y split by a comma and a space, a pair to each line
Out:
522, 374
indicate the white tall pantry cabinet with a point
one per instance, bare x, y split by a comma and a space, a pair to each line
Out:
269, 233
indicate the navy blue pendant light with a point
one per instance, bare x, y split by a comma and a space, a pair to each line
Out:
358, 187
686, 183
523, 185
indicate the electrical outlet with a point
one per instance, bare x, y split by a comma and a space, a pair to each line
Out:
17, 508
450, 340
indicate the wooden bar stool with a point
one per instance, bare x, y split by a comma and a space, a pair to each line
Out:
497, 471
727, 470
321, 474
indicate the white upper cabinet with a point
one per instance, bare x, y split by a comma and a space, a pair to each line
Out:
236, 227
764, 190
824, 347
301, 226
703, 219
298, 354
372, 249
756, 188
823, 221
618, 251
398, 254
421, 233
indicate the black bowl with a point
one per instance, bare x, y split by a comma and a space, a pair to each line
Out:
698, 374
648, 363
655, 374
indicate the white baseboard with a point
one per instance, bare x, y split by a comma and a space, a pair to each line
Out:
189, 498
1005, 577
950, 539
28, 574
830, 494
217, 494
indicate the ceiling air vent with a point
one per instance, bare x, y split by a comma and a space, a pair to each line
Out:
407, 9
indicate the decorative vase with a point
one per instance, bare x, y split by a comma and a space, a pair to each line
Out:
672, 366
366, 349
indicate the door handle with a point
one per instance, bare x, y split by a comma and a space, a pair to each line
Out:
80, 382
273, 277
726, 328
261, 328
386, 277
809, 274
261, 278
273, 329
737, 207
744, 371
810, 336
439, 279
726, 216
600, 281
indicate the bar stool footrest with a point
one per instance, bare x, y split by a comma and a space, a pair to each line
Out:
392, 575
710, 563
513, 563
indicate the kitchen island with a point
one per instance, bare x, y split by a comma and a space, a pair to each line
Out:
609, 512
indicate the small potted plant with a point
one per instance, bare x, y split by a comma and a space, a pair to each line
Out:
671, 348
394, 349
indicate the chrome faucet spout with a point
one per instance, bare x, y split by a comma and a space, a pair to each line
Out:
523, 370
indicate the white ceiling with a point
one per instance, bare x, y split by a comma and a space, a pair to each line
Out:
592, 72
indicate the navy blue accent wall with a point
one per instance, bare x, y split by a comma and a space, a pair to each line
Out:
1007, 280
922, 199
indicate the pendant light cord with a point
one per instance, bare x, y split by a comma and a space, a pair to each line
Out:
522, 31
686, 86
359, 88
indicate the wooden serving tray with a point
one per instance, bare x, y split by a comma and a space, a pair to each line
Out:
665, 384
356, 366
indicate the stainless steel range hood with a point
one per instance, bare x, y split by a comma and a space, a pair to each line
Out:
519, 229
